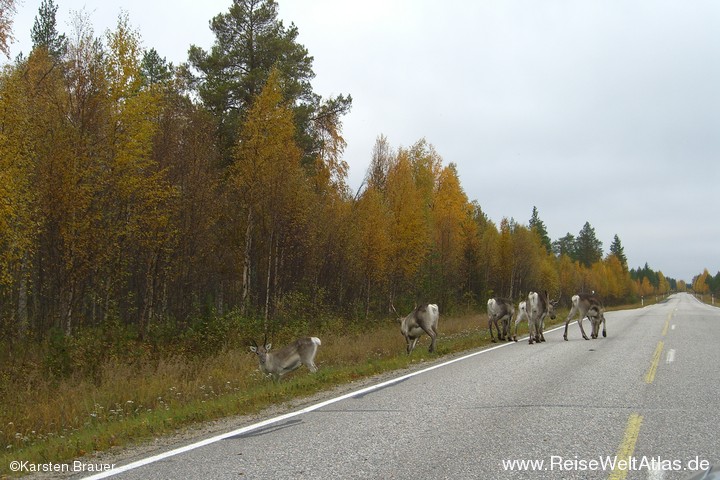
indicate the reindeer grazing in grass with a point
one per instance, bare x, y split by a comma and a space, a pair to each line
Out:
424, 319
300, 352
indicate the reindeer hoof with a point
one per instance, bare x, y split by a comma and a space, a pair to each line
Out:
604, 335
565, 337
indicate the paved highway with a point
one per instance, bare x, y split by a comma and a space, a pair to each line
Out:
648, 394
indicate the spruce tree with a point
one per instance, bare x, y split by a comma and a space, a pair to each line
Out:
616, 249
587, 247
44, 32
538, 226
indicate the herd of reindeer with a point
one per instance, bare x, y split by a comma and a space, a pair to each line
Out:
424, 320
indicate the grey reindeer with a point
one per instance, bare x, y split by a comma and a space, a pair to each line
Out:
588, 306
423, 319
277, 363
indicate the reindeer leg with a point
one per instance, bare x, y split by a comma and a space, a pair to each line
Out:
531, 332
490, 324
506, 330
432, 334
567, 322
595, 327
411, 344
580, 322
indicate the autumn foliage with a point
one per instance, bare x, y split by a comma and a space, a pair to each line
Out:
155, 198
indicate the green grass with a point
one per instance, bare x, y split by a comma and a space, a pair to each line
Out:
57, 421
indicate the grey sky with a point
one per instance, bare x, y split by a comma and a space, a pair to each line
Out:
600, 111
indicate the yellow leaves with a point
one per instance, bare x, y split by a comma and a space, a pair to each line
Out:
700, 283
452, 217
267, 159
372, 240
7, 10
409, 229
123, 60
17, 219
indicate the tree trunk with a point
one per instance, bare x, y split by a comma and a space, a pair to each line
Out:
22, 312
367, 300
268, 278
246, 265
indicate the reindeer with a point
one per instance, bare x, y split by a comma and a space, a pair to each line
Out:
424, 319
500, 310
539, 307
301, 352
587, 305
522, 315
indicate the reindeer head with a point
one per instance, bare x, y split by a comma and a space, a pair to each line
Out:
551, 305
261, 352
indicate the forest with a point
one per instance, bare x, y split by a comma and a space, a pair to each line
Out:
152, 198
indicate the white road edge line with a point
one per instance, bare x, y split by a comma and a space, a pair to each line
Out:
270, 421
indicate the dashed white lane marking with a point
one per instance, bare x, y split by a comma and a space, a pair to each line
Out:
670, 356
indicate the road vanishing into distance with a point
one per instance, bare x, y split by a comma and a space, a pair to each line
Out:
646, 397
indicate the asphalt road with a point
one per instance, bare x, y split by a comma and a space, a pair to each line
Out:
647, 393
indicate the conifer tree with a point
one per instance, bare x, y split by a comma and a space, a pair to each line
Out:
565, 246
538, 226
587, 247
44, 32
617, 249
250, 42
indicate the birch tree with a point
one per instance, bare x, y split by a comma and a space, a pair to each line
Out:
269, 179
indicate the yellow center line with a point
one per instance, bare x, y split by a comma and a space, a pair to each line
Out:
650, 375
667, 324
632, 429
627, 447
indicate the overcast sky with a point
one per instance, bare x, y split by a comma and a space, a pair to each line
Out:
602, 111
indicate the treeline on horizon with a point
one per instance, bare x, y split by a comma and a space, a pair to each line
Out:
137, 193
